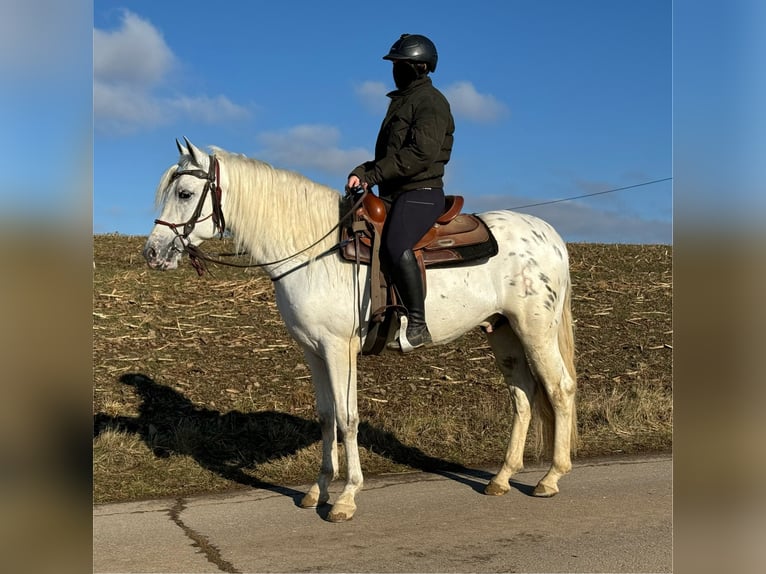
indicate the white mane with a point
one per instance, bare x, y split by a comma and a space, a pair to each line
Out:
261, 200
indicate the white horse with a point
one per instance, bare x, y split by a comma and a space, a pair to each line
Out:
521, 296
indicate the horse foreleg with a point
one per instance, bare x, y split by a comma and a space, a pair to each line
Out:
345, 507
342, 370
319, 493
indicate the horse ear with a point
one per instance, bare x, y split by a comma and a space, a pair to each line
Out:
196, 154
181, 149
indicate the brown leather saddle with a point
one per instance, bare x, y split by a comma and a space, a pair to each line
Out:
455, 239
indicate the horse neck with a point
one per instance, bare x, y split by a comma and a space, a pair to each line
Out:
276, 213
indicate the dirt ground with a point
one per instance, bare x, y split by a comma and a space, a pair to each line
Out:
177, 357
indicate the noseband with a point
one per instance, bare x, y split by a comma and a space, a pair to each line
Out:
212, 181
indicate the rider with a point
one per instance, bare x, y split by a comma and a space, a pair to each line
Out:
413, 145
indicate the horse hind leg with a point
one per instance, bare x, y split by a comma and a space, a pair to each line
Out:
511, 359
553, 366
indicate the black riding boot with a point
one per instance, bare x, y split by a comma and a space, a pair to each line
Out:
409, 284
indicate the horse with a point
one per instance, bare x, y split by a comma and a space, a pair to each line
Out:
285, 221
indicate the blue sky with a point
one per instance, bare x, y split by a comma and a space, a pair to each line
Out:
551, 100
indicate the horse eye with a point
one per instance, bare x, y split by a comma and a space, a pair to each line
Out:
184, 194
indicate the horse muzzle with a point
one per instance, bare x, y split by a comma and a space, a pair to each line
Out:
161, 259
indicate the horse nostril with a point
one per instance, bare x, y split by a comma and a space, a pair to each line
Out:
150, 254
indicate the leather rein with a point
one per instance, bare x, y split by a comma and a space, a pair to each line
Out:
212, 179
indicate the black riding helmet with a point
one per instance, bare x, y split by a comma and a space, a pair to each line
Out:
416, 48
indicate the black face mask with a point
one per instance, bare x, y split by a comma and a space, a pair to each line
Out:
404, 73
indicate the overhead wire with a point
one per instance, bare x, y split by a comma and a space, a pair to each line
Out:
592, 194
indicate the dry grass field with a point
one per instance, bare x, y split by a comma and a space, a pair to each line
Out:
197, 386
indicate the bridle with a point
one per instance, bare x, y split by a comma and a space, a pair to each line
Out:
212, 181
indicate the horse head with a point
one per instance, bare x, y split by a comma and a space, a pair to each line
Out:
189, 199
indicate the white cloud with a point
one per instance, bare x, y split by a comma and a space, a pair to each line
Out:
312, 147
130, 67
135, 54
466, 103
373, 96
469, 104
123, 109
208, 109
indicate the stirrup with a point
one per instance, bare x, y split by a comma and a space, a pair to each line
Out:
401, 343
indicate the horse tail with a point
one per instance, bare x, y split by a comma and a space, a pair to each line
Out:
544, 419
567, 350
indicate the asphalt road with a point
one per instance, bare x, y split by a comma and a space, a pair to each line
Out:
611, 516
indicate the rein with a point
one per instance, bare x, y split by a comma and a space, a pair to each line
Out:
199, 258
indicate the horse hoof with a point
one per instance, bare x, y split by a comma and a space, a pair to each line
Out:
495, 489
341, 513
544, 491
312, 501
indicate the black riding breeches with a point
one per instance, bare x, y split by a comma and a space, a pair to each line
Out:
409, 218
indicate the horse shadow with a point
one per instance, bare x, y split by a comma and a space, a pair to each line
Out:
226, 444
229, 444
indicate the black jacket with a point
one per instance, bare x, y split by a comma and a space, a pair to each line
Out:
414, 142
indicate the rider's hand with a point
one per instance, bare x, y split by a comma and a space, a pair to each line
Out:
354, 183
